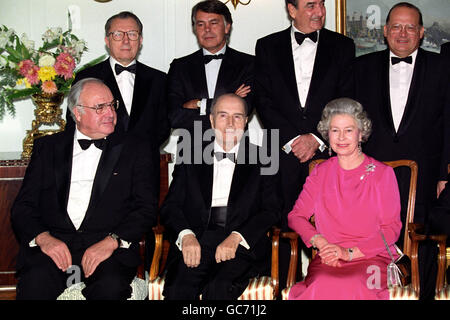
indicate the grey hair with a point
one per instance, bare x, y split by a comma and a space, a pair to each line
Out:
345, 106
231, 95
75, 92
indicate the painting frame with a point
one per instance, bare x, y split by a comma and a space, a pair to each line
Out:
367, 32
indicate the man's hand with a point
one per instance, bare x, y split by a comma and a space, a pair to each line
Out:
227, 249
191, 251
191, 104
243, 90
304, 147
55, 249
97, 253
440, 187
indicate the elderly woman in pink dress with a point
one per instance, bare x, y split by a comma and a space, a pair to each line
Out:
354, 199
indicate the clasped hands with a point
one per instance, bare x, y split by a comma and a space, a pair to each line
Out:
242, 92
304, 147
329, 253
191, 249
58, 251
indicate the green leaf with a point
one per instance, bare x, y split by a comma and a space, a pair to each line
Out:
90, 63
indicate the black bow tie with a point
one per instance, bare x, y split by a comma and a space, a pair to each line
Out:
207, 58
395, 60
222, 155
302, 36
85, 143
118, 68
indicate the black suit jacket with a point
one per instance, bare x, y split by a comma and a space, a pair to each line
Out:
187, 81
445, 49
439, 218
253, 203
423, 134
277, 99
148, 116
123, 199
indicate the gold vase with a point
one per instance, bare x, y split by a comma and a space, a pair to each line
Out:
47, 112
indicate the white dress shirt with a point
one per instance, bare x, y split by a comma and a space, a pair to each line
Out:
222, 179
304, 57
125, 82
84, 167
212, 72
400, 76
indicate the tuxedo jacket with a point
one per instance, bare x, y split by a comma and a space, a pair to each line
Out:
148, 116
187, 81
423, 133
253, 203
277, 99
123, 199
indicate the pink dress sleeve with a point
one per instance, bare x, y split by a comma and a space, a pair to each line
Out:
298, 218
388, 202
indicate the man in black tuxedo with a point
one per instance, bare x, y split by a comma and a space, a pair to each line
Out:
219, 211
403, 89
140, 89
214, 69
297, 72
86, 201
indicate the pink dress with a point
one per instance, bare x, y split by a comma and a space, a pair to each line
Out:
351, 207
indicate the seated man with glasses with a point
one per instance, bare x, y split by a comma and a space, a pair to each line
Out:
404, 91
86, 201
139, 88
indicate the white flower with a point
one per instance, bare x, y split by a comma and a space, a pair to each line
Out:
29, 44
5, 38
46, 61
52, 34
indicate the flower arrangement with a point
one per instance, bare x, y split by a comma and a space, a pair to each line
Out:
25, 71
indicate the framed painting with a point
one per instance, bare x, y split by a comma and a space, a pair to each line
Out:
363, 21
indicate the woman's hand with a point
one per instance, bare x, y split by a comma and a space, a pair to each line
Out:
330, 254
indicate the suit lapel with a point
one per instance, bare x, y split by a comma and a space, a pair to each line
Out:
324, 57
105, 167
226, 73
385, 94
63, 166
285, 62
141, 87
414, 92
197, 74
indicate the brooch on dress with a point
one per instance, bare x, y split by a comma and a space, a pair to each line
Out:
369, 168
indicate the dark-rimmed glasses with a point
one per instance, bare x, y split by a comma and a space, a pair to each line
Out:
102, 107
132, 35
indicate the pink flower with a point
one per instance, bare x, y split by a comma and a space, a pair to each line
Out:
49, 87
29, 70
64, 66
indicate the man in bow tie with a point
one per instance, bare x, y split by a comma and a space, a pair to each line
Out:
218, 213
196, 79
403, 89
140, 89
86, 200
297, 72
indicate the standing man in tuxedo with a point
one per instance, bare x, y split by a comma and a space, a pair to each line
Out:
298, 71
403, 89
214, 69
140, 89
219, 212
86, 201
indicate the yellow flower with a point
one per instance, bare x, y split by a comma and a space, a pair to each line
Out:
46, 73
23, 82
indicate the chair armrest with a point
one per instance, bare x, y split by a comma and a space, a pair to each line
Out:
158, 230
416, 233
292, 271
275, 234
441, 240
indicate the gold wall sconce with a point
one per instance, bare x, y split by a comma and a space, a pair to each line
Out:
236, 2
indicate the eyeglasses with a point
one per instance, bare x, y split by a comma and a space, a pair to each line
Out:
132, 35
102, 107
397, 28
